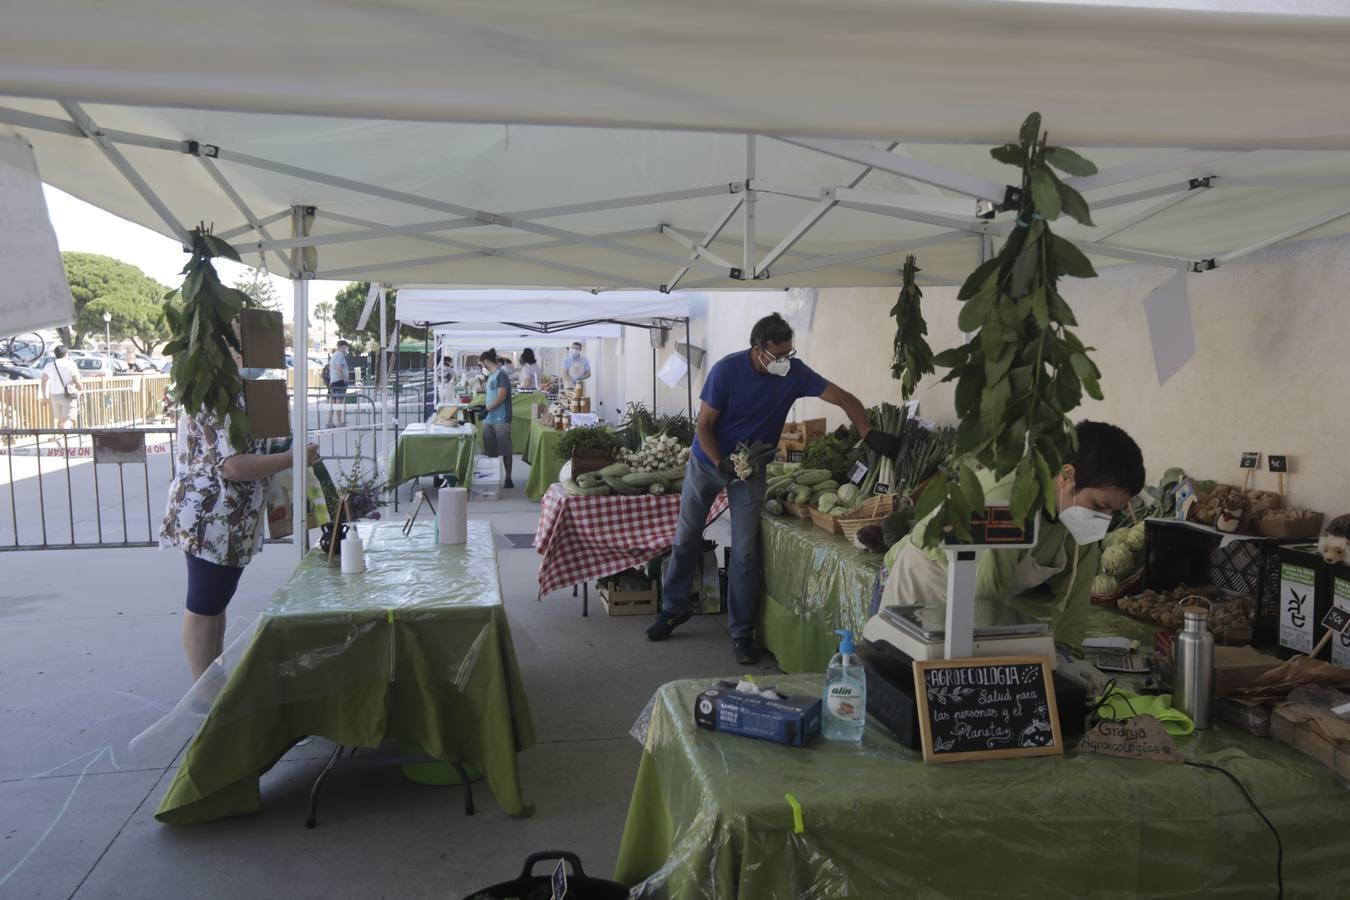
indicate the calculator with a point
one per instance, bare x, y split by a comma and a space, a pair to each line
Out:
1118, 661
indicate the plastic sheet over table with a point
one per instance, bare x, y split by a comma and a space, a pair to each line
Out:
816, 582
538, 452
416, 647
709, 819
416, 455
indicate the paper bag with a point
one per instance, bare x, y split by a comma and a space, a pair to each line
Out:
280, 512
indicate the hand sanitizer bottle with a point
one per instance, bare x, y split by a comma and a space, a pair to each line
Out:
844, 705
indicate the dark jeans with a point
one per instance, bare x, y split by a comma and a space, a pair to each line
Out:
701, 485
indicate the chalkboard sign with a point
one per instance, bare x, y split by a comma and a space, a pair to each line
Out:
1278, 463
1336, 619
987, 708
1250, 459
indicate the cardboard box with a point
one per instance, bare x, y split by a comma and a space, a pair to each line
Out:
811, 428
261, 339
629, 603
268, 411
1311, 728
792, 720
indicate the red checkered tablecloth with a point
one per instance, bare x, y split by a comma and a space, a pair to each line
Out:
582, 538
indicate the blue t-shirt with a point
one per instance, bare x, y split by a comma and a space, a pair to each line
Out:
753, 405
496, 381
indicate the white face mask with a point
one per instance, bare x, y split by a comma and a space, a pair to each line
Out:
776, 365
1085, 526
576, 354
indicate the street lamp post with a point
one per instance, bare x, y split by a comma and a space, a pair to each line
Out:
107, 340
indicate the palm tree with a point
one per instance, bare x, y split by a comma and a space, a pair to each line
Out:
323, 312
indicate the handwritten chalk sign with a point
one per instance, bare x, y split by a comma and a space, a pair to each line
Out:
1250, 459
987, 708
1278, 463
1336, 620
36, 294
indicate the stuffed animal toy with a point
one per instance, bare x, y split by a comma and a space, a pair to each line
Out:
1334, 544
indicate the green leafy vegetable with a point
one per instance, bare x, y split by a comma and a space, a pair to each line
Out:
1025, 370
593, 437
913, 357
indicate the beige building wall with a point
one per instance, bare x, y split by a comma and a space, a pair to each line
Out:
1270, 368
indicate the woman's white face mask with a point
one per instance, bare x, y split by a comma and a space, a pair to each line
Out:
1085, 526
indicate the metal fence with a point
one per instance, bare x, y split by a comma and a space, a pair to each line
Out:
111, 402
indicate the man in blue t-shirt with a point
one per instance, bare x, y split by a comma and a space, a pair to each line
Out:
746, 399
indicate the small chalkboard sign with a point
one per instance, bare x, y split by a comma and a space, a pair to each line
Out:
1336, 620
1278, 463
987, 708
1251, 459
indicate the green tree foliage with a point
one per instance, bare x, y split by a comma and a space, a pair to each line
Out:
102, 284
347, 306
1024, 370
259, 290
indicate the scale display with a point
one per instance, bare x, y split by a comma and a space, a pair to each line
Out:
995, 528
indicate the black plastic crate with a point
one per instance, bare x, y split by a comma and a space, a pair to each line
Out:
1178, 552
1303, 596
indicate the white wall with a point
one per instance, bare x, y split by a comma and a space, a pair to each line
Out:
1270, 366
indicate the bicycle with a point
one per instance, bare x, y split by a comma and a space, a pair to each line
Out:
23, 348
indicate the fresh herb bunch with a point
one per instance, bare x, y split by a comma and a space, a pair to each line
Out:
679, 426
913, 357
637, 425
1024, 371
591, 437
205, 375
880, 470
827, 453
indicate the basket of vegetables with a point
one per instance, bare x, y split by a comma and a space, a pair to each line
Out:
1122, 566
589, 448
873, 511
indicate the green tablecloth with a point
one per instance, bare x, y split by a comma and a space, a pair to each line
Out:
543, 462
416, 455
816, 582
708, 819
417, 647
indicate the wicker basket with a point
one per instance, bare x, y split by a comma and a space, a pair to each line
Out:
873, 511
826, 522
1127, 587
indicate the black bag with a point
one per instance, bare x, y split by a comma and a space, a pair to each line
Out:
71, 393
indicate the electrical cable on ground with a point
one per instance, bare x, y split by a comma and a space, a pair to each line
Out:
1279, 846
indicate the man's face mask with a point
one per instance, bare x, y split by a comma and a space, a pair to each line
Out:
576, 352
777, 365
1085, 526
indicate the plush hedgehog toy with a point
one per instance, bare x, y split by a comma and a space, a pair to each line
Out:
1334, 544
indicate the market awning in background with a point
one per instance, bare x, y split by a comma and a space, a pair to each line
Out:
769, 143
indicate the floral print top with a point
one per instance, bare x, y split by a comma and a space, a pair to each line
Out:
209, 517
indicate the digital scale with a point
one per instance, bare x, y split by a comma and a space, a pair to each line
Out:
958, 629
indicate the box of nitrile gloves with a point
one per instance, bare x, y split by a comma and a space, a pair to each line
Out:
786, 720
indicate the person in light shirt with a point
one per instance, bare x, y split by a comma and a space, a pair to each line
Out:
62, 385
529, 371
576, 368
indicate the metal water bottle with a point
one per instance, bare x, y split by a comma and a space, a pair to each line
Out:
1195, 667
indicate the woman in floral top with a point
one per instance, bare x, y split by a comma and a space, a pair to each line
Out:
214, 516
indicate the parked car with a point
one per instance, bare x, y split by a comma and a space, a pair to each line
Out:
95, 366
16, 372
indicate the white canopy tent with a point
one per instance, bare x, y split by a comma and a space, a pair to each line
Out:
768, 143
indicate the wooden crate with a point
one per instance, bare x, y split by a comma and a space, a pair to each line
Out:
826, 522
798, 510
630, 603
584, 461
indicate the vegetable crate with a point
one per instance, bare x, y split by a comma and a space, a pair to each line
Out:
591, 460
798, 510
826, 522
621, 595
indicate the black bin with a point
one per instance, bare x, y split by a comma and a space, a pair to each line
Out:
529, 886
1305, 597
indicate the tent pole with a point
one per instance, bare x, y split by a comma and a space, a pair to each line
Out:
653, 381
383, 375
689, 373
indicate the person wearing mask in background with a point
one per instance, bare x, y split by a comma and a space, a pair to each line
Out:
62, 384
529, 371
339, 370
214, 516
1098, 481
576, 368
746, 399
497, 421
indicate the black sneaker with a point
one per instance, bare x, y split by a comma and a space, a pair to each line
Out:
665, 624
744, 651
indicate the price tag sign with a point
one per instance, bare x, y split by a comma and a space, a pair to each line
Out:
858, 473
1337, 620
1251, 459
1278, 463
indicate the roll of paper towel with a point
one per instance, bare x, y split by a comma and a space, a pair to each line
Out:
353, 555
452, 515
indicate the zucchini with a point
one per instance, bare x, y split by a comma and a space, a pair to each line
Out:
647, 479
589, 480
614, 470
574, 489
824, 487
656, 488
773, 507
812, 476
674, 486
802, 495
619, 486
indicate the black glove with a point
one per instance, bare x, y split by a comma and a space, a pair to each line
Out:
885, 445
727, 468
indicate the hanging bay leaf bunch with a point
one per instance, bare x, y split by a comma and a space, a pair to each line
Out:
913, 357
205, 375
1024, 370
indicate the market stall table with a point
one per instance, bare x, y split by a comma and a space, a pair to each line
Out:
522, 416
538, 453
416, 648
583, 538
708, 818
815, 582
433, 450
